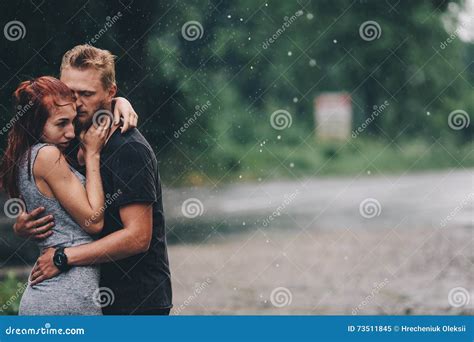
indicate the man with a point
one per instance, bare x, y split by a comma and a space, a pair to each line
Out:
132, 249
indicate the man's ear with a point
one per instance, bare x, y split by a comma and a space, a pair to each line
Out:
112, 91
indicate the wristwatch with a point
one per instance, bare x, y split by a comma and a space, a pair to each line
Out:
60, 260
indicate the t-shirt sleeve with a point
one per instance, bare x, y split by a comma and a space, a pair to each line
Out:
134, 175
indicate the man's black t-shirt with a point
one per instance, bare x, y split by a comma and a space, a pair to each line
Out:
129, 173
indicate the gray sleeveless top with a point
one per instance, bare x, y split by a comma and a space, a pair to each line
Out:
66, 232
69, 293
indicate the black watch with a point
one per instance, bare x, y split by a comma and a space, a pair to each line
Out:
60, 260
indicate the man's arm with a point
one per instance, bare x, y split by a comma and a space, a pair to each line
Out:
28, 226
135, 176
134, 238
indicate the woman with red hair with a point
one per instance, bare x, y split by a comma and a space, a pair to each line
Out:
35, 168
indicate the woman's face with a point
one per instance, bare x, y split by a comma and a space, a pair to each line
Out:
59, 127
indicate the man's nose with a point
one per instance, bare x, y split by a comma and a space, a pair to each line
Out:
78, 101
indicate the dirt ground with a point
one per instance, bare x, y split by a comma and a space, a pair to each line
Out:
415, 257
344, 272
307, 248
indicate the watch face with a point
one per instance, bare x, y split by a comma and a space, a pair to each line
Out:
58, 259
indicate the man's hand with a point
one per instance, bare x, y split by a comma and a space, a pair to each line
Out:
44, 267
124, 110
27, 226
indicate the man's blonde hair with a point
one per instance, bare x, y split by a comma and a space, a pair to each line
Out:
87, 56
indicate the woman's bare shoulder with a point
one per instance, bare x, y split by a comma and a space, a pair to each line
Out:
49, 157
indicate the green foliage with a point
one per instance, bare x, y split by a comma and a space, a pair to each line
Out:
11, 290
166, 76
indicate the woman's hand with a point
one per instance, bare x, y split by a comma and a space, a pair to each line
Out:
124, 111
94, 138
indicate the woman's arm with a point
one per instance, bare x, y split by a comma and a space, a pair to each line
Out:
83, 204
124, 111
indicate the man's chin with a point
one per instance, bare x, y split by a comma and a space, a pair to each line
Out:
83, 120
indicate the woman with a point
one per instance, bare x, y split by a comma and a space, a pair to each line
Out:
35, 168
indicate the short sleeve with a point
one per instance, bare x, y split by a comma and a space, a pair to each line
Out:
134, 175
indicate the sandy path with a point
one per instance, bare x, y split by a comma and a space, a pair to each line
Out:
343, 272
330, 259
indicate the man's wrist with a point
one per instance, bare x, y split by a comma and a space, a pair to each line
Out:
60, 260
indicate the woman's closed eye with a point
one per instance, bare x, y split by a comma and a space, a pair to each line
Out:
63, 123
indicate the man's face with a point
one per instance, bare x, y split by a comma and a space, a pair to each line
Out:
90, 92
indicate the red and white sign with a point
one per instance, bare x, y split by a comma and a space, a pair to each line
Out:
333, 115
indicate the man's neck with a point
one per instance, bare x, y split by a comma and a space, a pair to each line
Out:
110, 108
112, 130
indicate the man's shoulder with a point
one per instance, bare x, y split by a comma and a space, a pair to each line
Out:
130, 142
132, 137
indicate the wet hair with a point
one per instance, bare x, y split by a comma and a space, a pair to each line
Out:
86, 56
33, 102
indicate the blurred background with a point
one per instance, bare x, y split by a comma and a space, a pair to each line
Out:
316, 156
